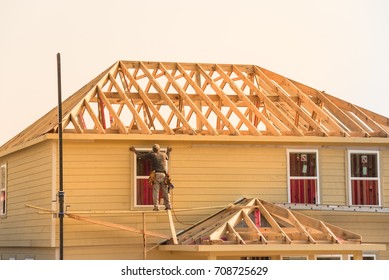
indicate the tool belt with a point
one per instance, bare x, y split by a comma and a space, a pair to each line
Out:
151, 178
167, 182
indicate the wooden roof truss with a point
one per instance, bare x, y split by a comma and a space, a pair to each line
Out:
254, 221
134, 97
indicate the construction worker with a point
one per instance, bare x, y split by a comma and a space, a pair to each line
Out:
158, 176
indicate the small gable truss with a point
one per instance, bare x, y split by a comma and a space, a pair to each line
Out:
256, 221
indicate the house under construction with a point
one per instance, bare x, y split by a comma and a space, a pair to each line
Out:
263, 166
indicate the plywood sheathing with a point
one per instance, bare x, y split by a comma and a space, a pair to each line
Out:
135, 97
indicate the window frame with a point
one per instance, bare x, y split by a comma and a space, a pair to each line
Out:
3, 188
289, 177
350, 177
136, 177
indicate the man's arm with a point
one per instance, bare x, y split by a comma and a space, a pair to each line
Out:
168, 150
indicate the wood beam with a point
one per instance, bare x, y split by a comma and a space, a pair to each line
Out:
208, 101
163, 94
199, 115
248, 103
146, 100
280, 119
228, 102
122, 128
135, 114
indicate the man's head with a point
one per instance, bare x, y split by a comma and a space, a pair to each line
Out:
156, 148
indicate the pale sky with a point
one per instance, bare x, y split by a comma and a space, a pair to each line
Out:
340, 46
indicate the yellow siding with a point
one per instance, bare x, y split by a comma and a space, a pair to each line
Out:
29, 182
332, 173
385, 177
374, 227
98, 175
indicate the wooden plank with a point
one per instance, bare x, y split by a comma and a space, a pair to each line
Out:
230, 228
199, 115
253, 227
342, 116
164, 95
146, 100
172, 228
117, 226
289, 101
93, 117
248, 103
131, 107
231, 105
208, 101
104, 99
271, 221
280, 119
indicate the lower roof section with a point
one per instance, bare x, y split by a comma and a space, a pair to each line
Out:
273, 249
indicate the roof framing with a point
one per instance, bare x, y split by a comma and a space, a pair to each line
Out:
135, 97
273, 225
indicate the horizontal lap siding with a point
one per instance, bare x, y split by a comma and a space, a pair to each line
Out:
98, 176
374, 227
206, 176
29, 181
332, 175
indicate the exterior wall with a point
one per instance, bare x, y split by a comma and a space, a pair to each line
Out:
30, 180
98, 177
374, 227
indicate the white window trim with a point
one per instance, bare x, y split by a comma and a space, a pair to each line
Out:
288, 151
135, 177
4, 188
364, 255
349, 152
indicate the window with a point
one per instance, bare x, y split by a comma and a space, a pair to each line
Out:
364, 178
329, 257
143, 189
365, 257
3, 190
303, 177
294, 258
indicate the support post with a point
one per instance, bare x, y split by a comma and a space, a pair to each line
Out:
144, 236
61, 193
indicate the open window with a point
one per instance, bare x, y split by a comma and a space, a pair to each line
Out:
303, 186
364, 178
3, 190
143, 190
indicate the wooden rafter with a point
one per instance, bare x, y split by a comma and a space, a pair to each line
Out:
235, 225
133, 97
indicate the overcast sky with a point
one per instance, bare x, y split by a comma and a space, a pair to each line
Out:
341, 46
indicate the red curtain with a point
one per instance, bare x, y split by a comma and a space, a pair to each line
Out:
364, 192
303, 191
